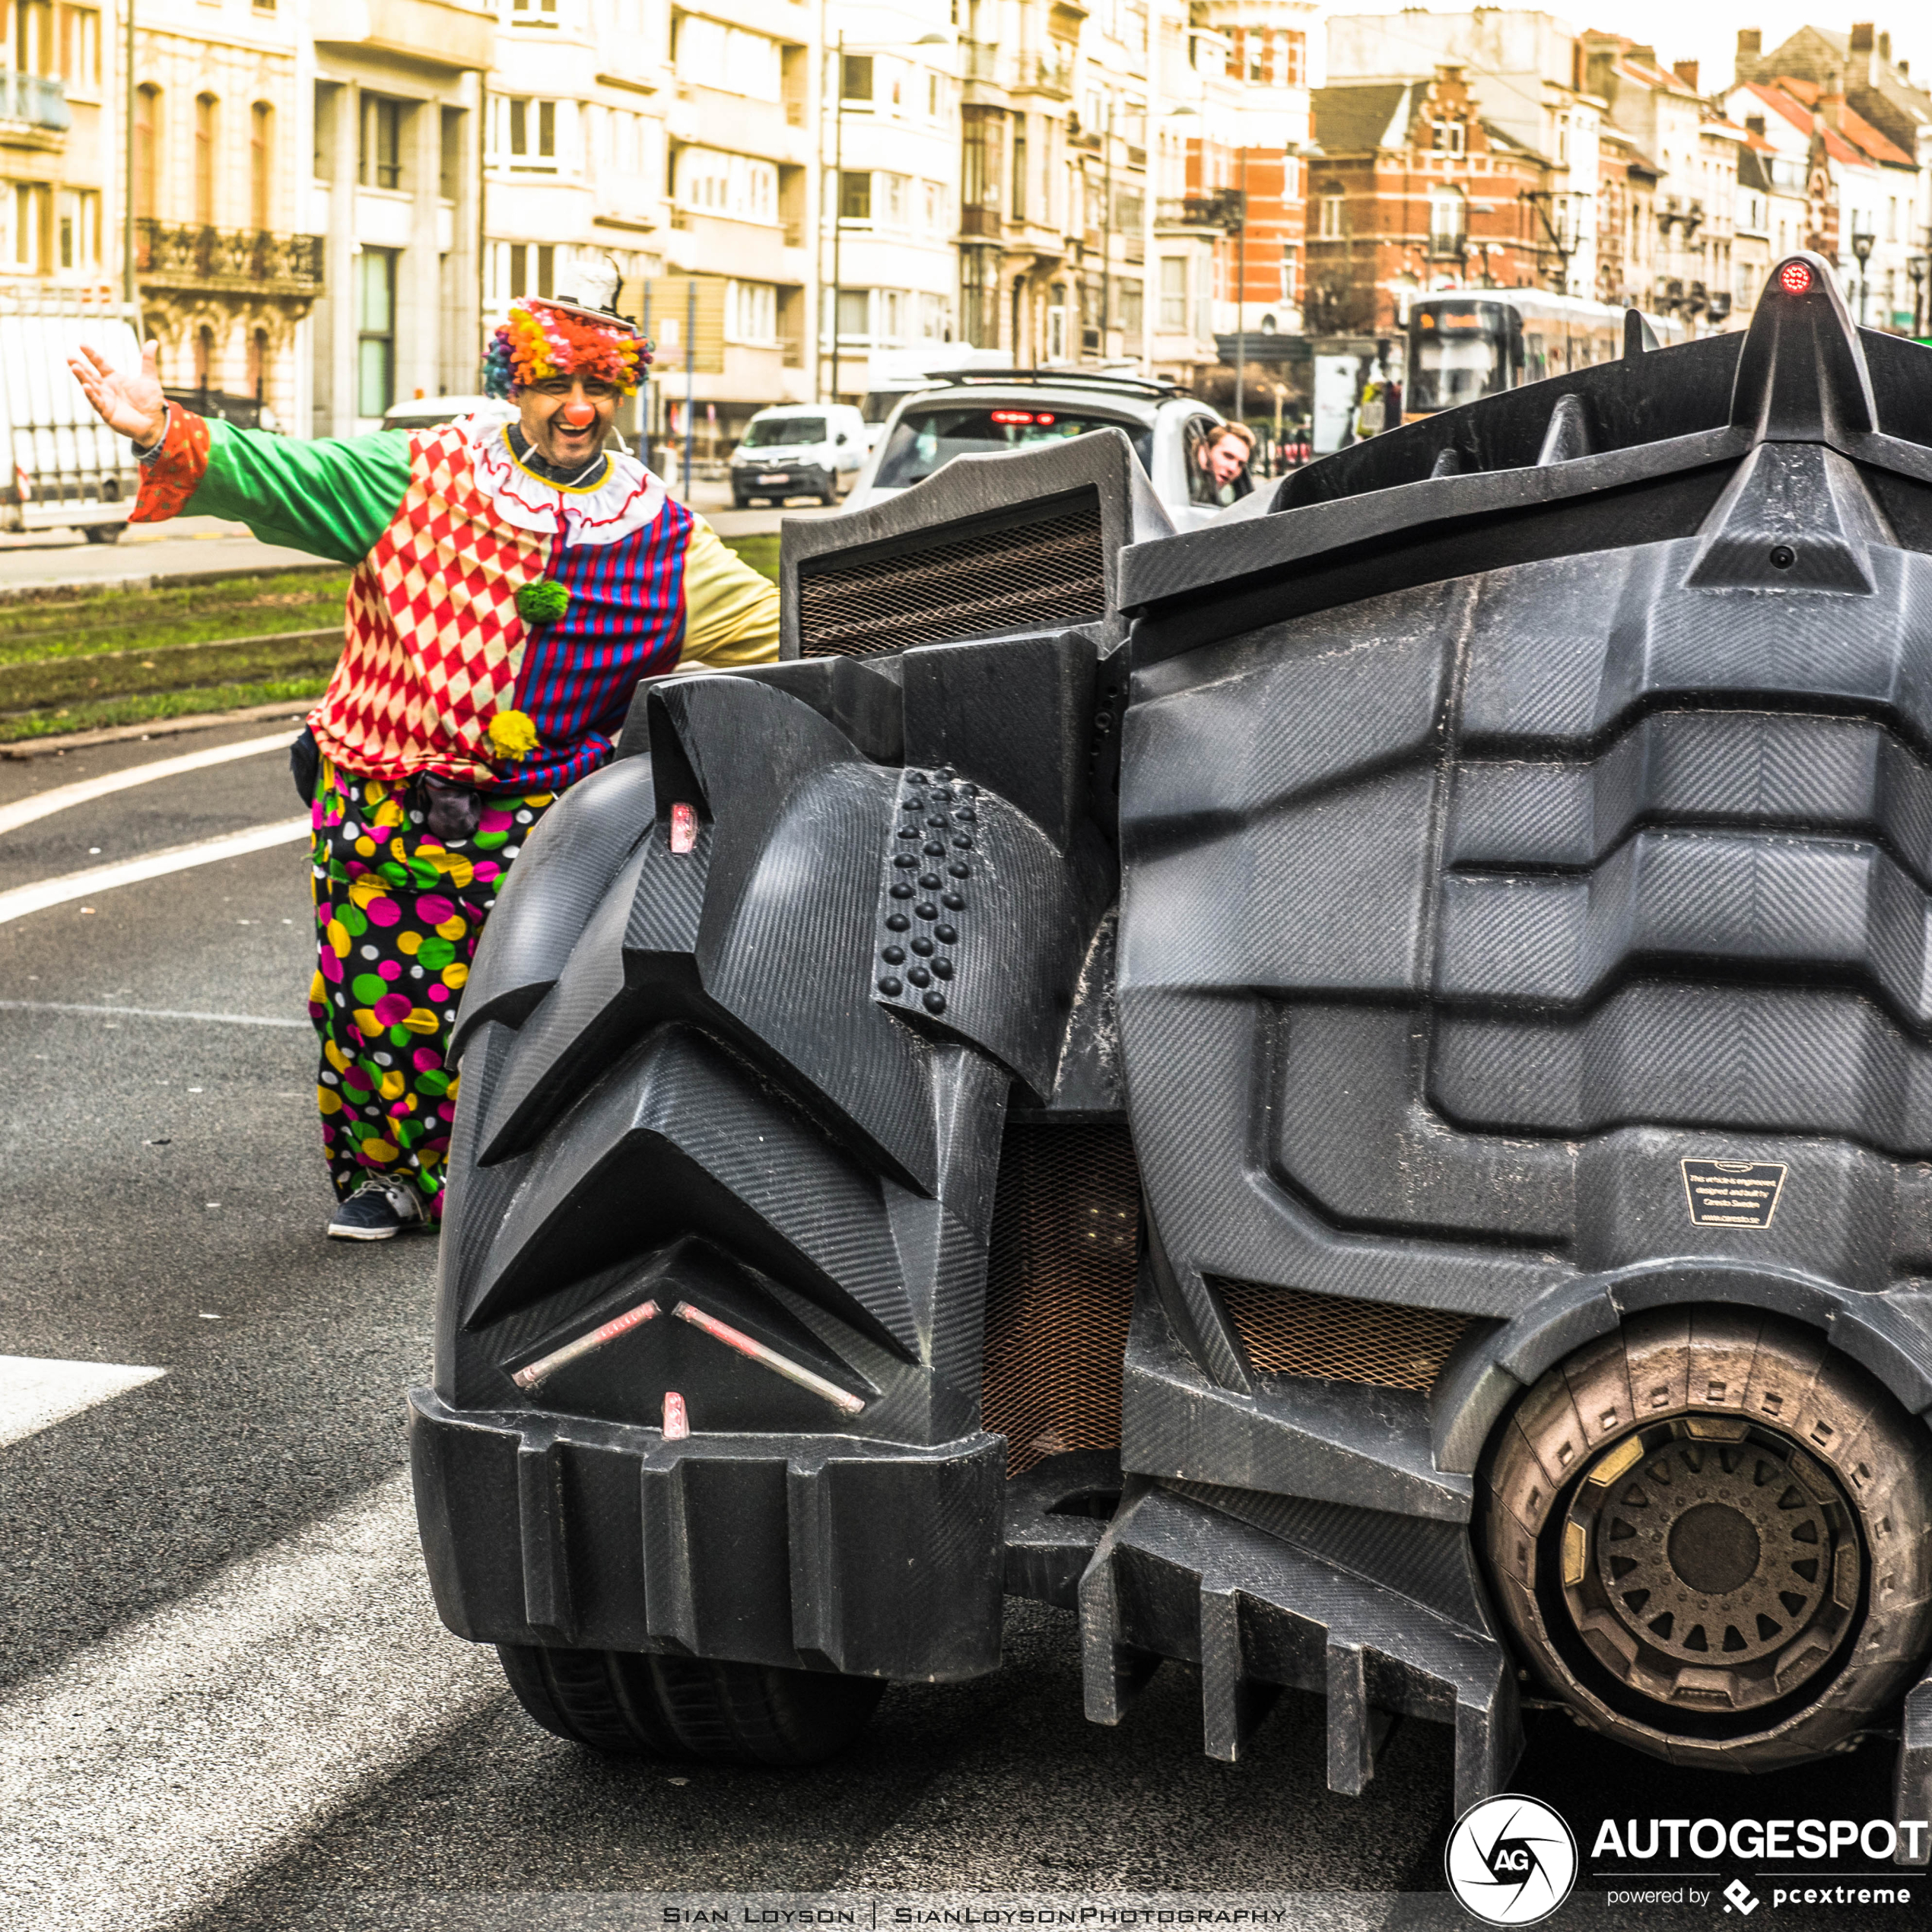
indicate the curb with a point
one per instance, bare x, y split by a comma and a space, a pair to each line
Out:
293, 709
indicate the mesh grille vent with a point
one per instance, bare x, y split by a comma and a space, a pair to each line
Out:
1053, 571
1288, 1332
1060, 1289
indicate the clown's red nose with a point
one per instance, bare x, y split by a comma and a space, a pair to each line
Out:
579, 415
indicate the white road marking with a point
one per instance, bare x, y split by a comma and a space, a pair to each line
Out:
151, 1773
148, 1013
24, 899
45, 804
36, 1393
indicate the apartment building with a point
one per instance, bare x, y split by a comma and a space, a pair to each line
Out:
1045, 165
226, 271
59, 85
1414, 187
894, 143
1246, 197
1525, 73
397, 94
1627, 181
740, 181
573, 145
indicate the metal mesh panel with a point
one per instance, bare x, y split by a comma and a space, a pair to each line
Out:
1060, 1289
1288, 1332
1052, 571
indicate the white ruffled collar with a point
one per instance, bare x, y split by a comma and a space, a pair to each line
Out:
627, 499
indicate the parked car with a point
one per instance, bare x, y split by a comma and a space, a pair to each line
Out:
61, 466
975, 413
428, 411
797, 451
244, 412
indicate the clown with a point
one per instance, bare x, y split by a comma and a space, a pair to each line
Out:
511, 585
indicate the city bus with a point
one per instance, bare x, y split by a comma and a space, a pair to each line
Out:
1467, 343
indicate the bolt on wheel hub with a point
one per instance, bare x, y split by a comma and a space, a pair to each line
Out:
1710, 1562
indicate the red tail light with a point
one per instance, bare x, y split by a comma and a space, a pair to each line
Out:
684, 829
1794, 279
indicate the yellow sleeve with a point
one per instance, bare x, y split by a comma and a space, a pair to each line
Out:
731, 613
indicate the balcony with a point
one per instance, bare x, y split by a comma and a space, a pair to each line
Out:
1050, 73
985, 62
172, 255
35, 104
1224, 212
435, 32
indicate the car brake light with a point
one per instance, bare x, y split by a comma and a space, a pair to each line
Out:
1794, 279
684, 829
1013, 415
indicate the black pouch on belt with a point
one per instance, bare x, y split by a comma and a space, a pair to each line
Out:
450, 811
305, 765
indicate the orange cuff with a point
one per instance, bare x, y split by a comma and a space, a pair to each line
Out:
168, 480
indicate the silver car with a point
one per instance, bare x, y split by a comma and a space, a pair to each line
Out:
982, 413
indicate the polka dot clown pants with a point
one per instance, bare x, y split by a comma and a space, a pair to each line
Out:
397, 914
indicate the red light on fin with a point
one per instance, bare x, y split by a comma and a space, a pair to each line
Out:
677, 1424
1795, 278
684, 829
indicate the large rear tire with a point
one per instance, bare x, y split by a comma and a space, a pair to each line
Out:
689, 1708
1709, 1534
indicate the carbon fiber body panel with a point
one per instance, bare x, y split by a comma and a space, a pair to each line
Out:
1210, 1020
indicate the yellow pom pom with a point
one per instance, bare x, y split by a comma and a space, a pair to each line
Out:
512, 735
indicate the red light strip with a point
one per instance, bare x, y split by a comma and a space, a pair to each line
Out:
793, 1371
677, 1424
542, 1370
684, 829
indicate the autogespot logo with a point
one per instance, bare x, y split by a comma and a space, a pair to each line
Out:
1510, 1861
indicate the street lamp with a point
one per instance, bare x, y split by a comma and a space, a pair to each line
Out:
839, 50
1862, 242
1915, 268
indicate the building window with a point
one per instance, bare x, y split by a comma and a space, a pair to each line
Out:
1448, 222
528, 131
1132, 311
77, 243
1019, 169
855, 196
752, 313
80, 48
1057, 323
853, 304
1174, 294
206, 108
375, 317
146, 149
979, 324
982, 142
258, 364
1293, 70
856, 78
520, 269
1449, 135
532, 13
204, 358
1332, 223
261, 156
381, 160
729, 59
737, 186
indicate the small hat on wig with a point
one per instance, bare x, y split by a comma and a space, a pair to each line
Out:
546, 336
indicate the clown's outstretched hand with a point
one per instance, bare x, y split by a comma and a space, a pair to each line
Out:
133, 404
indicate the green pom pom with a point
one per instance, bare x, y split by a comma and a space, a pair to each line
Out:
543, 601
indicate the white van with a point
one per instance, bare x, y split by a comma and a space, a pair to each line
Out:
798, 449
61, 466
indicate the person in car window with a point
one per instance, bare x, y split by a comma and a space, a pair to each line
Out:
1222, 456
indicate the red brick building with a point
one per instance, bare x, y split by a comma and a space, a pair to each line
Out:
1411, 189
1257, 191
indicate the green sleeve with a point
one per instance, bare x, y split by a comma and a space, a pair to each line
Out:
331, 498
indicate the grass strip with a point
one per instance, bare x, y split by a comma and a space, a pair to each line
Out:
89, 717
122, 657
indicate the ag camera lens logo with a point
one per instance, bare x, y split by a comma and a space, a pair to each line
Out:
1510, 1861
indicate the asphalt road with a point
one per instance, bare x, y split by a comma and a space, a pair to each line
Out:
225, 1703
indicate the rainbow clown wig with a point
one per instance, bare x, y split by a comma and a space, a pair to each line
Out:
542, 339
